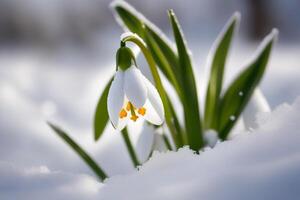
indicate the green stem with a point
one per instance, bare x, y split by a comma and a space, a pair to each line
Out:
130, 148
158, 84
80, 152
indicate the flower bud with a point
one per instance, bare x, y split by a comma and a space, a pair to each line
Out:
125, 57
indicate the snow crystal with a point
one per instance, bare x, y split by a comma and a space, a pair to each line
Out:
241, 94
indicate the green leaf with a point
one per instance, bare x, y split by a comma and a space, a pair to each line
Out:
80, 152
159, 46
239, 92
160, 57
101, 114
190, 104
216, 74
176, 124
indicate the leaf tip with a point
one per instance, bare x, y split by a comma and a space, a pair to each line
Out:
236, 16
171, 12
116, 3
274, 34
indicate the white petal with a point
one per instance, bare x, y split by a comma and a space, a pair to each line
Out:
159, 144
115, 98
145, 142
122, 123
155, 110
257, 104
151, 114
135, 89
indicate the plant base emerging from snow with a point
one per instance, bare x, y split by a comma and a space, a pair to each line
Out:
129, 95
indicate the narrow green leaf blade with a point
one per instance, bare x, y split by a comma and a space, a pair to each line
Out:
101, 114
239, 92
161, 60
190, 104
80, 152
220, 53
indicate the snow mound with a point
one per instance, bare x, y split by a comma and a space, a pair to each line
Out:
263, 164
41, 183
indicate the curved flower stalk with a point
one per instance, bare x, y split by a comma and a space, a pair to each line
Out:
131, 95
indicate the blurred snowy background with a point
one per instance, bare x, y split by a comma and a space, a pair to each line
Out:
56, 56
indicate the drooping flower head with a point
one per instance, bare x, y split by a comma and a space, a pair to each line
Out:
131, 95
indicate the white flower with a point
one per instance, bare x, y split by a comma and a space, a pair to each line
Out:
132, 96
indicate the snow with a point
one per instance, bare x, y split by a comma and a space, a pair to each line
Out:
211, 137
257, 105
42, 183
263, 164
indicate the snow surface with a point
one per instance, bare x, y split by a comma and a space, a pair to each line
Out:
263, 164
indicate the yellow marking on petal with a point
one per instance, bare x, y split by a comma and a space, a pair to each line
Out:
123, 113
142, 111
134, 118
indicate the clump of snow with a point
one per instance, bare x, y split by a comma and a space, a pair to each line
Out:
263, 164
257, 105
211, 137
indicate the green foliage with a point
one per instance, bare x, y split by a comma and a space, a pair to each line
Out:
101, 114
189, 89
177, 68
212, 102
221, 111
241, 89
80, 152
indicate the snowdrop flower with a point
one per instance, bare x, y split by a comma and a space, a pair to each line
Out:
131, 95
